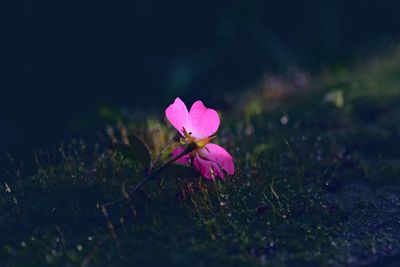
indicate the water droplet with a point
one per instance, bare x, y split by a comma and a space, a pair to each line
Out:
223, 204
79, 247
284, 120
23, 244
90, 238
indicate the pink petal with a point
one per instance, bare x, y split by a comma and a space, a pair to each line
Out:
204, 121
207, 169
178, 115
220, 156
184, 160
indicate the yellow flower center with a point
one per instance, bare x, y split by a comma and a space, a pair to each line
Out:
189, 139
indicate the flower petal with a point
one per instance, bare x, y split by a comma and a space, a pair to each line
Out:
207, 169
184, 160
204, 121
178, 115
220, 156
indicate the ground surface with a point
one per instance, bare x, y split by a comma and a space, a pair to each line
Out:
317, 182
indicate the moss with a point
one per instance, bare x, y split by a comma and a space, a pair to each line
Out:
316, 184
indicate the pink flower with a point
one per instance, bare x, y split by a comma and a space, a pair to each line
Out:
197, 126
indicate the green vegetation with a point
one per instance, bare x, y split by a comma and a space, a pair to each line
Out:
317, 182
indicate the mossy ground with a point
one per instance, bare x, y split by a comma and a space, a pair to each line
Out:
317, 183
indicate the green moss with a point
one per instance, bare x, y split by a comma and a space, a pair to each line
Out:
317, 183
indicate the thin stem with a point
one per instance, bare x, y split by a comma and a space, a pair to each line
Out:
89, 257
187, 150
131, 193
161, 153
152, 175
140, 185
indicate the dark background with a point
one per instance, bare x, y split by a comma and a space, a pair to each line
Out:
61, 60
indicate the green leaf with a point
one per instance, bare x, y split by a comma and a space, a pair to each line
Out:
176, 170
140, 149
126, 151
136, 151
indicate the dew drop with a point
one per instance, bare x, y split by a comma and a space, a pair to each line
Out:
284, 120
223, 204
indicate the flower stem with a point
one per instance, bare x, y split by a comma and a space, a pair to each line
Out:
160, 154
186, 151
153, 174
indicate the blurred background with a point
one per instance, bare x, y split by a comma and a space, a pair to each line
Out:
64, 62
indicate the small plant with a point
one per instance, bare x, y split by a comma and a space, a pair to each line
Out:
196, 153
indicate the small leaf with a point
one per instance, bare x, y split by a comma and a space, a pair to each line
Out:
126, 151
136, 151
176, 170
140, 149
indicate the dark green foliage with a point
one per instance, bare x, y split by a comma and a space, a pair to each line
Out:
135, 151
317, 183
